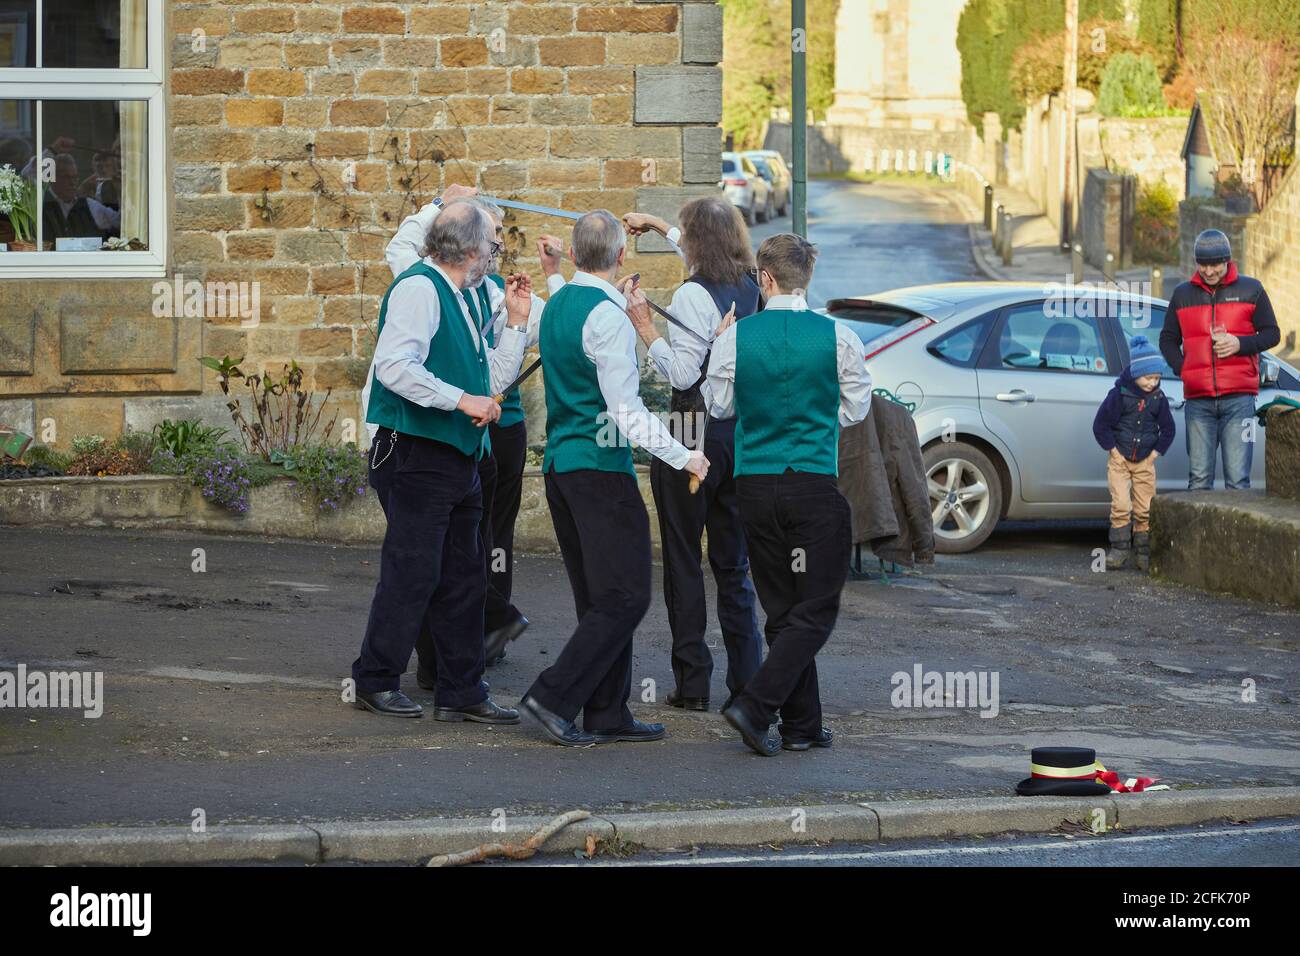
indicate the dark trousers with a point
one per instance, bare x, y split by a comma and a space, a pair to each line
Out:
509, 448
683, 518
604, 535
497, 609
798, 529
431, 574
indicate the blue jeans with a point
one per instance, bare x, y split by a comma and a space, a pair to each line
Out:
1215, 424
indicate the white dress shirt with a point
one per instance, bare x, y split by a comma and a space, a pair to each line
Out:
609, 342
850, 361
402, 252
411, 322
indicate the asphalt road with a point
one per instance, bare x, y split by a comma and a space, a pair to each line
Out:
876, 236
222, 689
1268, 843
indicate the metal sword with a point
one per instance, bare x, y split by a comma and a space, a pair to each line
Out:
530, 207
501, 396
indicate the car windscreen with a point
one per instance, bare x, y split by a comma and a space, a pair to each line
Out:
870, 320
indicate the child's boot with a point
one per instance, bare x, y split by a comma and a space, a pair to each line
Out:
1142, 549
1118, 555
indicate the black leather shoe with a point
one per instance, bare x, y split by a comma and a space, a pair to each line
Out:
632, 733
757, 738
495, 641
823, 739
389, 703
563, 732
687, 703
485, 712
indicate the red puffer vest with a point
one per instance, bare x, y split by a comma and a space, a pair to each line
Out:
1201, 309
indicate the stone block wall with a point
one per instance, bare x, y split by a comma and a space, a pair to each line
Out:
300, 134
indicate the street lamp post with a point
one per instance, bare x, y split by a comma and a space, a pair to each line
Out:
799, 116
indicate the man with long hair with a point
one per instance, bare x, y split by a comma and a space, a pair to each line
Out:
715, 244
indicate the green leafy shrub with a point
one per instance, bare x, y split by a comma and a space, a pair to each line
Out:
1130, 86
185, 436
42, 456
991, 32
1036, 66
329, 475
1155, 224
284, 415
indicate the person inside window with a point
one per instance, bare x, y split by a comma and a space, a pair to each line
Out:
67, 214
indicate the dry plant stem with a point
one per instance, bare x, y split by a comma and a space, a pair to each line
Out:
512, 851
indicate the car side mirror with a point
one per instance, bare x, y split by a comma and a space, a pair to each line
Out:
1270, 372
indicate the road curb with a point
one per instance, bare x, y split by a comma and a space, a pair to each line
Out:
409, 841
973, 224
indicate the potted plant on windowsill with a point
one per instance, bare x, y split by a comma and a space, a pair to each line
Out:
18, 202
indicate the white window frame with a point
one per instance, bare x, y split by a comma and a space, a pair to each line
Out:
147, 85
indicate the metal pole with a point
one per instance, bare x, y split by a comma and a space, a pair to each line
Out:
1070, 79
988, 208
799, 116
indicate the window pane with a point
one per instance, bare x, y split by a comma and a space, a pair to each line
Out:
1148, 325
92, 171
17, 33
1035, 337
959, 347
94, 34
17, 175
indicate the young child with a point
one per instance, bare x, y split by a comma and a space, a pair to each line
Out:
1134, 425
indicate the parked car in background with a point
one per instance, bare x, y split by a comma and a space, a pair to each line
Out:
772, 167
745, 188
1006, 380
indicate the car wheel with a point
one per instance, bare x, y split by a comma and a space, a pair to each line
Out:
749, 214
767, 210
965, 496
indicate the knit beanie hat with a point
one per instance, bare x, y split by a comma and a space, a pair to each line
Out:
1144, 358
1212, 246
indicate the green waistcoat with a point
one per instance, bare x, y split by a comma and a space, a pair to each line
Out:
787, 394
576, 417
455, 358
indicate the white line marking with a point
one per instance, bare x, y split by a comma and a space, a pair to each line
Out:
936, 851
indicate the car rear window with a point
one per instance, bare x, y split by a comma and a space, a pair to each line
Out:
728, 165
871, 320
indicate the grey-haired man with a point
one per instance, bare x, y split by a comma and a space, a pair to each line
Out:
431, 397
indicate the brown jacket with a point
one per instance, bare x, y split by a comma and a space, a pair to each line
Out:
883, 477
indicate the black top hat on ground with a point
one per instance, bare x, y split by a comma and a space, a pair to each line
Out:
1062, 772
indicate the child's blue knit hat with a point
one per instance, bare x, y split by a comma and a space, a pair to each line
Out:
1144, 358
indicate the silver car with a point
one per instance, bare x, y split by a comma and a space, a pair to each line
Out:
1006, 379
745, 188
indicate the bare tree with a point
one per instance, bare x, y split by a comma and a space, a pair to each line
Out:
1246, 87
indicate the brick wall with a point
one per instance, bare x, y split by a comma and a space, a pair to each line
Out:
300, 135
1273, 256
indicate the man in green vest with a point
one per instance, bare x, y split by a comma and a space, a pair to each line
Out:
431, 397
791, 377
593, 411
500, 471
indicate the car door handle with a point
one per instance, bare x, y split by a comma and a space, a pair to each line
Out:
1016, 395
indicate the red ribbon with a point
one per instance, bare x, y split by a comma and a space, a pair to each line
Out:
1111, 779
